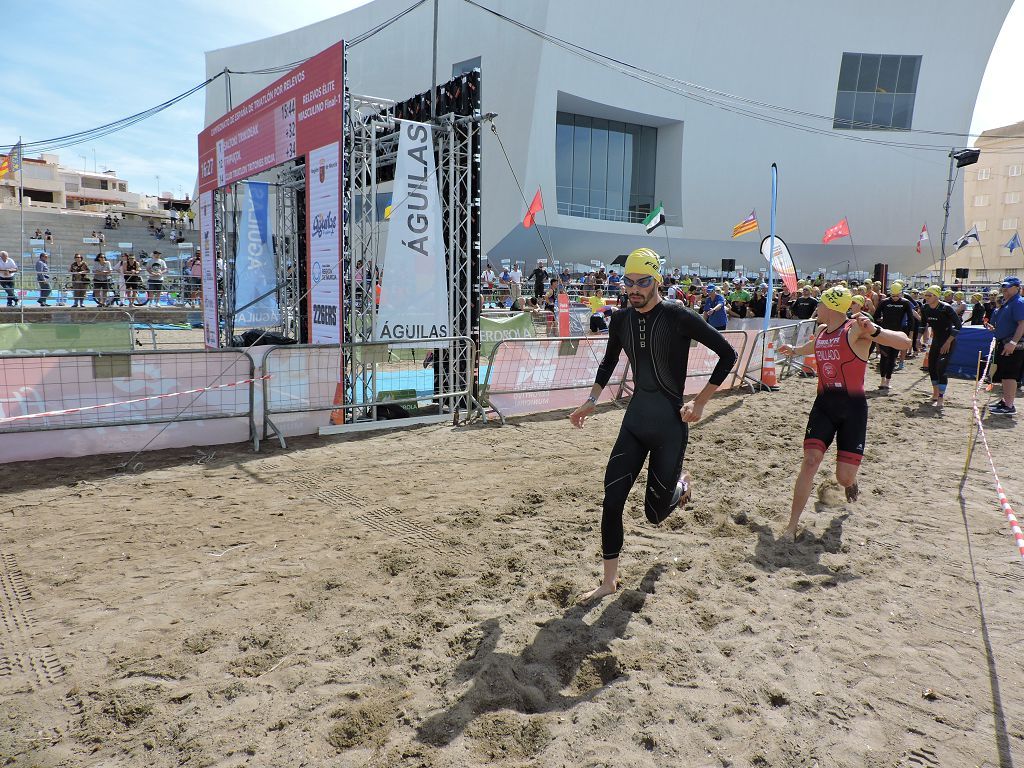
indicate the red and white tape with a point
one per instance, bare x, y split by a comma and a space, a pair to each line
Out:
66, 411
1003, 501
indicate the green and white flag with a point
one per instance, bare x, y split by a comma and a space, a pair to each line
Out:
656, 218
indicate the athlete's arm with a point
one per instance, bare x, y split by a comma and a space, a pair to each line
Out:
604, 373
704, 334
865, 330
804, 349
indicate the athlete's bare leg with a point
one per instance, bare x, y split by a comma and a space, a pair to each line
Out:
802, 488
609, 583
846, 474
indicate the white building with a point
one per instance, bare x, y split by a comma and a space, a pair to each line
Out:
605, 142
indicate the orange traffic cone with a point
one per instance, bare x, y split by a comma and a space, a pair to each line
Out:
768, 376
811, 365
338, 414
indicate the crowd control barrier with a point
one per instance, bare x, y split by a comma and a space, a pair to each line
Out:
303, 379
794, 334
64, 383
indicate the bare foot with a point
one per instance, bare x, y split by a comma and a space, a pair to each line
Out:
852, 492
788, 536
601, 591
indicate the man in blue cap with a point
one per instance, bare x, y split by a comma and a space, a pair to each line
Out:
1008, 327
713, 309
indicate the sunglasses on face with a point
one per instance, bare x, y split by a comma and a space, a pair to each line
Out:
643, 282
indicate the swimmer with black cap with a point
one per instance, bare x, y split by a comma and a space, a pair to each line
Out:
840, 412
656, 336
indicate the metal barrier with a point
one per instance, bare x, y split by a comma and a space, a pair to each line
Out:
304, 378
59, 384
177, 290
793, 334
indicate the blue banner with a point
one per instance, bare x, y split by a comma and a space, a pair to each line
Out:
255, 276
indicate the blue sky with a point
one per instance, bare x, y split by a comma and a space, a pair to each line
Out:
78, 65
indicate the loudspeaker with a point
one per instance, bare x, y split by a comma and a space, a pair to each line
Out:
728, 265
962, 272
881, 274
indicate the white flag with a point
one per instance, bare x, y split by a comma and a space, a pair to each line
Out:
966, 239
414, 286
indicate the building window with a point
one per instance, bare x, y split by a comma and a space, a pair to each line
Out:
604, 169
1010, 223
876, 92
465, 67
1011, 273
984, 174
980, 200
981, 226
1011, 198
122, 188
1014, 170
981, 275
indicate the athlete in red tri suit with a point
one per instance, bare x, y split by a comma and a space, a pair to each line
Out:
841, 346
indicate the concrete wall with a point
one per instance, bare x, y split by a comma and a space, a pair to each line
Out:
713, 163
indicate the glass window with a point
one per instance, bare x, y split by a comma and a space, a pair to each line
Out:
981, 226
1010, 223
1012, 198
604, 169
980, 200
464, 67
984, 174
1014, 170
876, 92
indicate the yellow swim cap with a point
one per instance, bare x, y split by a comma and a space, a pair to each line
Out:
643, 261
896, 288
837, 298
934, 289
857, 299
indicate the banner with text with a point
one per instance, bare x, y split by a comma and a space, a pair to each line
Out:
211, 318
414, 286
495, 329
324, 243
255, 275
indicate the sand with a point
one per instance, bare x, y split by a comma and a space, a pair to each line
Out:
406, 599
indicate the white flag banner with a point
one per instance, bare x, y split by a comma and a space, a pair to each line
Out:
414, 285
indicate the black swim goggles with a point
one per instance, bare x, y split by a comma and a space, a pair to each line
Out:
643, 282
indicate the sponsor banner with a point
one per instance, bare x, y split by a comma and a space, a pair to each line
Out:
414, 287
125, 246
211, 318
782, 261
324, 244
494, 329
299, 111
88, 241
26, 338
255, 276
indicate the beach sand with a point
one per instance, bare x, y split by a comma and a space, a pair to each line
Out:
407, 599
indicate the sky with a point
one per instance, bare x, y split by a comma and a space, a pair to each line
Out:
81, 65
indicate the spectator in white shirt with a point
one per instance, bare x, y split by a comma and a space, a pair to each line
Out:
515, 282
8, 267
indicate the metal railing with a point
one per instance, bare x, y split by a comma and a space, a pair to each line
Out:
176, 290
64, 383
793, 334
305, 379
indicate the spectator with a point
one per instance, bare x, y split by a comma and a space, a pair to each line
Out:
101, 273
614, 283
38, 234
977, 311
155, 271
539, 275
8, 268
102, 238
79, 280
551, 296
487, 281
108, 222
48, 235
43, 278
713, 309
738, 300
191, 219
515, 282
195, 281
174, 235
131, 270
805, 306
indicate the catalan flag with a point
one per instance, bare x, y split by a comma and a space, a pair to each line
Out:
749, 224
12, 161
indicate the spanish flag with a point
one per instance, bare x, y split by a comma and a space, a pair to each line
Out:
749, 224
12, 162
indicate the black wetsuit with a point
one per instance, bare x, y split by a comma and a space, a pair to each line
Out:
893, 315
945, 323
657, 344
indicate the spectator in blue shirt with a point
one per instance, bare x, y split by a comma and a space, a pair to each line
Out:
1008, 327
43, 278
713, 309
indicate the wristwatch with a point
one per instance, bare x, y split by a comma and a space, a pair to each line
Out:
592, 400
878, 330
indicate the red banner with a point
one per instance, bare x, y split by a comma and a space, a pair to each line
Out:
293, 115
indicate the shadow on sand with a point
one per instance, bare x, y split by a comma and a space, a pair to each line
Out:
805, 553
566, 655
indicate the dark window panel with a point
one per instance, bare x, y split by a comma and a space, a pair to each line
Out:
867, 81
648, 160
909, 69
599, 162
563, 151
863, 108
581, 154
883, 110
902, 111
848, 72
616, 152
888, 73
844, 109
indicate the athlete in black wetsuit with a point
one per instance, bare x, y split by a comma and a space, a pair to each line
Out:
945, 324
894, 313
656, 337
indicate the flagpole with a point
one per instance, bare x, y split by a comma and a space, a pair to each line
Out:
931, 248
771, 259
668, 245
21, 202
548, 247
853, 248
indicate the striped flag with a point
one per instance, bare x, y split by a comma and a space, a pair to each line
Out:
922, 237
12, 162
749, 224
655, 219
963, 242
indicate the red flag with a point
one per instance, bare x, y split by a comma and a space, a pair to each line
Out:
535, 207
842, 229
922, 237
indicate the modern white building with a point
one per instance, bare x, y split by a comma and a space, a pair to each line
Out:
609, 108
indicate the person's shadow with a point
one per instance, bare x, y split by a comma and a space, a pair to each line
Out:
534, 681
805, 553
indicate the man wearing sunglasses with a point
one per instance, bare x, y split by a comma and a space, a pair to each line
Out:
656, 337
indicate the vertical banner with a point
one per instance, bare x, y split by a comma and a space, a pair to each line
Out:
211, 320
414, 286
323, 183
255, 274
